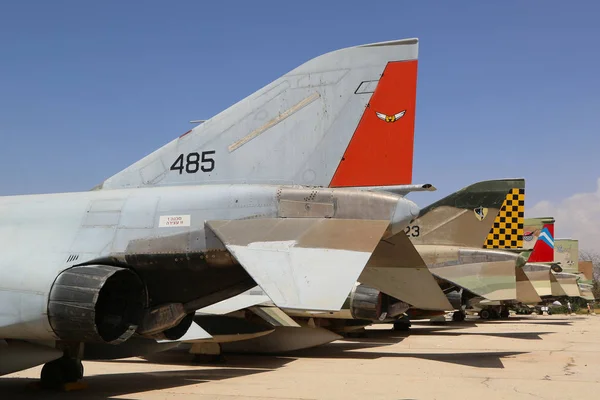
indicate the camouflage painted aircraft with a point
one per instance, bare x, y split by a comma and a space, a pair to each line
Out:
282, 190
539, 238
470, 275
466, 251
448, 237
547, 264
477, 277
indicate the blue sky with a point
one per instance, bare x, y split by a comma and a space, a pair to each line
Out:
505, 88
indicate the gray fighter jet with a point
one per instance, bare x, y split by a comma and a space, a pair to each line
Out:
282, 190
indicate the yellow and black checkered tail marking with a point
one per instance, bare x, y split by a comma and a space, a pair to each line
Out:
507, 232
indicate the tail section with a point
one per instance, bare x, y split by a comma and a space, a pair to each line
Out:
386, 159
543, 250
507, 230
488, 214
566, 253
342, 119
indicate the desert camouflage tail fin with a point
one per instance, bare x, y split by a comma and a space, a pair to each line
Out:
488, 214
343, 119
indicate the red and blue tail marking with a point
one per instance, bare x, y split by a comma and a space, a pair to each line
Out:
543, 251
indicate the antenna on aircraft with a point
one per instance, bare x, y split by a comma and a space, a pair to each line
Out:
197, 121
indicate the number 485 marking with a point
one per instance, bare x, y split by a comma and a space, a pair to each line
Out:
194, 162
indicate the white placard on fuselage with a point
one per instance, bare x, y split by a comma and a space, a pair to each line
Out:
168, 221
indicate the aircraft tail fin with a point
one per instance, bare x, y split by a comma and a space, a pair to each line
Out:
543, 250
343, 119
488, 214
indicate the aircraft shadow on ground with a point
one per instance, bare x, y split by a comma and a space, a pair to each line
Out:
349, 350
345, 349
105, 386
509, 335
530, 322
229, 360
391, 337
236, 365
479, 323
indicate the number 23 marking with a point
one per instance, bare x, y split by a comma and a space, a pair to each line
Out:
413, 231
194, 162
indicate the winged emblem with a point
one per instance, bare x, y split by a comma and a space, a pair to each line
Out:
390, 118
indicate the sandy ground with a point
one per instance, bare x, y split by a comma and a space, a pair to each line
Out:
546, 357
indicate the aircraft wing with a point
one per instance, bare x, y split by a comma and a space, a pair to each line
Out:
302, 263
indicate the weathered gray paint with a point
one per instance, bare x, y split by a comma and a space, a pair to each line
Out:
41, 232
292, 131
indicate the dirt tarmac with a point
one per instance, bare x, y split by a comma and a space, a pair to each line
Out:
543, 357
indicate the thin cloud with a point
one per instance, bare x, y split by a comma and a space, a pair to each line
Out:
577, 217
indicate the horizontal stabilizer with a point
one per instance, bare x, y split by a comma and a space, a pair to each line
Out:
308, 263
526, 292
540, 277
556, 287
397, 269
568, 283
586, 292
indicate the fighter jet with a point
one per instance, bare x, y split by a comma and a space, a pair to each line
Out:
539, 239
281, 190
449, 236
547, 264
